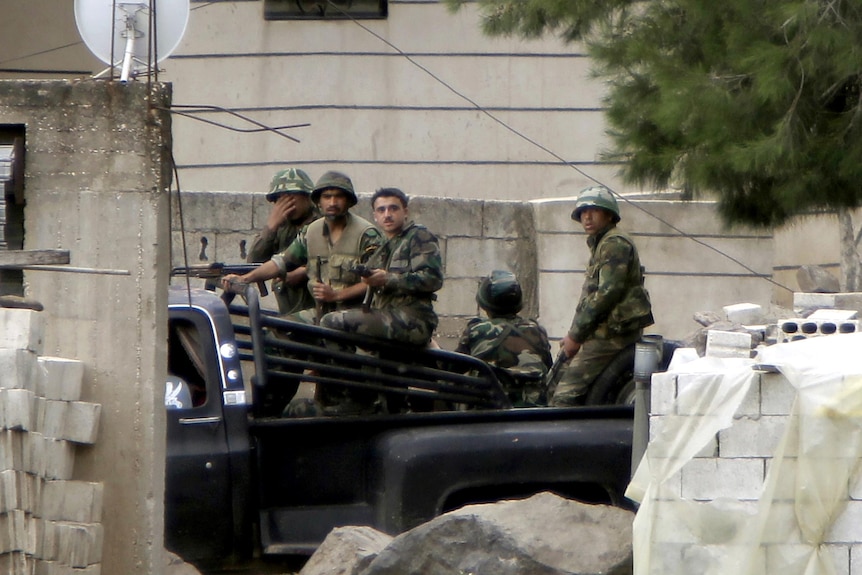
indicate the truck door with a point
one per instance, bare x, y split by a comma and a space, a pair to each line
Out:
198, 509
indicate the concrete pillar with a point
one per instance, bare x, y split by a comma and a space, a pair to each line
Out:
97, 171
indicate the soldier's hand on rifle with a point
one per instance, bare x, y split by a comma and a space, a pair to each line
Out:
324, 292
569, 346
377, 278
231, 280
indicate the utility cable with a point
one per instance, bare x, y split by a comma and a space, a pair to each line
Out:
547, 150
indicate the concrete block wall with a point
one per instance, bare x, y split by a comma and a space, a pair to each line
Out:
49, 523
732, 468
539, 242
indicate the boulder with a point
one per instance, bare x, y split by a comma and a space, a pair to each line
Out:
816, 279
543, 535
174, 565
346, 551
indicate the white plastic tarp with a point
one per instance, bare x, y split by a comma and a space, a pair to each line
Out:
808, 479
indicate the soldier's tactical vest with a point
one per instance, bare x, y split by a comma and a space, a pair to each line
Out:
336, 260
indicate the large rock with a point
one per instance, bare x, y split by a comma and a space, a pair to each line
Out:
816, 279
543, 535
346, 551
174, 565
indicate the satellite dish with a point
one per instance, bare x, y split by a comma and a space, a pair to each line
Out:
121, 27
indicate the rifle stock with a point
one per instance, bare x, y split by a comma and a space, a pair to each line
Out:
217, 270
553, 377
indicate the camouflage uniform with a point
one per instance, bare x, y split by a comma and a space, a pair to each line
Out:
403, 309
336, 260
290, 298
611, 314
517, 345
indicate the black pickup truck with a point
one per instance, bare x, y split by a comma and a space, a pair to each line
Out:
242, 479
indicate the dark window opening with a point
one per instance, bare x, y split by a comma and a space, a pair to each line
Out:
324, 9
12, 203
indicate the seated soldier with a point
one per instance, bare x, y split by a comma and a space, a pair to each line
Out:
519, 347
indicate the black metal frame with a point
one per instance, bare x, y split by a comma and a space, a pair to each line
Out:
316, 354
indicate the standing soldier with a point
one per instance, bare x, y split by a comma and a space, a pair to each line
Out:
516, 345
292, 209
614, 306
403, 274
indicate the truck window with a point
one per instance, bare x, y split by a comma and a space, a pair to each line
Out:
186, 358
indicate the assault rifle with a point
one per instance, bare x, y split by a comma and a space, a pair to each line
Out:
364, 271
213, 272
553, 377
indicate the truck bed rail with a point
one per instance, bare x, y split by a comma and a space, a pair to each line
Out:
285, 352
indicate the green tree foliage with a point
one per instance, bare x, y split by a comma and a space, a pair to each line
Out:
753, 101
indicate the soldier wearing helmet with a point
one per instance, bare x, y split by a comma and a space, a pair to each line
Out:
326, 250
614, 306
518, 346
291, 210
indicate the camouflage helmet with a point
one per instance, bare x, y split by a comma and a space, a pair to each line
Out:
289, 181
335, 180
500, 293
596, 197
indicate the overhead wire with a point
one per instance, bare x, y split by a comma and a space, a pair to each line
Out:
261, 127
549, 151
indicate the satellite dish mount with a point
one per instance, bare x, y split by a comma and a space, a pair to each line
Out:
111, 27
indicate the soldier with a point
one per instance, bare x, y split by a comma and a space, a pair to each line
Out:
328, 249
614, 306
516, 345
404, 274
292, 209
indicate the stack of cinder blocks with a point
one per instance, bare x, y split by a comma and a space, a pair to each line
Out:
732, 467
49, 524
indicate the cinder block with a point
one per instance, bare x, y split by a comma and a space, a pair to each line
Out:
847, 528
19, 408
14, 450
77, 501
699, 392
803, 301
664, 432
79, 544
708, 479
53, 420
728, 344
18, 368
856, 559
752, 437
19, 490
58, 458
13, 533
744, 313
82, 422
60, 378
777, 394
22, 329
662, 393
794, 329
17, 563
